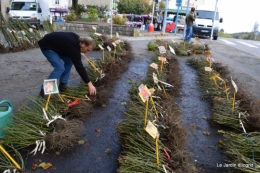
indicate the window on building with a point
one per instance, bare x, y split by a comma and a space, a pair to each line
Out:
57, 1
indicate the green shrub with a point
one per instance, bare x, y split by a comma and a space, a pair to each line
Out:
151, 46
72, 16
119, 20
93, 14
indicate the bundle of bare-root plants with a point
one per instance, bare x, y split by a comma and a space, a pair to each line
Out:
56, 124
20, 35
139, 152
231, 108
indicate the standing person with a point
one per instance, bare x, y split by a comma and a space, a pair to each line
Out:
190, 18
159, 20
66, 47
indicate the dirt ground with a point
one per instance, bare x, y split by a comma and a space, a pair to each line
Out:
22, 73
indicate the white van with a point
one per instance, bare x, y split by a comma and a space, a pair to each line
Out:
204, 22
34, 11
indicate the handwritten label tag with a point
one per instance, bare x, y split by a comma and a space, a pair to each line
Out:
118, 41
117, 35
155, 78
98, 34
155, 66
108, 48
144, 92
162, 49
234, 85
100, 47
114, 44
172, 50
94, 28
162, 58
211, 59
208, 69
152, 130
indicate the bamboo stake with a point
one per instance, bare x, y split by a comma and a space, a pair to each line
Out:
146, 112
47, 103
154, 106
12, 160
157, 152
91, 63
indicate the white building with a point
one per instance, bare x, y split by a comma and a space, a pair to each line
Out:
58, 4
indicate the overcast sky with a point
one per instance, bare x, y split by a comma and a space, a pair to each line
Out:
238, 15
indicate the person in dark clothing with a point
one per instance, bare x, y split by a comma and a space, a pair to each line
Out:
66, 46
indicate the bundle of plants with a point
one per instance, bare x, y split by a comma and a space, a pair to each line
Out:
243, 150
7, 164
181, 48
172, 131
31, 119
98, 40
47, 27
80, 111
223, 114
21, 35
140, 155
246, 144
65, 135
210, 84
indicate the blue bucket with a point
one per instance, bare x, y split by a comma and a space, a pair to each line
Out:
6, 115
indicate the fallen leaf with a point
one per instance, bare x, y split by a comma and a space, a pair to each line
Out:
81, 142
123, 103
104, 105
205, 118
206, 133
57, 153
47, 166
34, 166
218, 99
97, 130
42, 165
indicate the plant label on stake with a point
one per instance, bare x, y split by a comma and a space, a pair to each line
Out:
163, 60
97, 34
162, 49
155, 66
210, 61
50, 87
114, 44
155, 80
172, 50
109, 48
103, 55
94, 28
144, 94
236, 89
208, 69
225, 86
152, 130
117, 35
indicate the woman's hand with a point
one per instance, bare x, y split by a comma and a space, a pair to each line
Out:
92, 89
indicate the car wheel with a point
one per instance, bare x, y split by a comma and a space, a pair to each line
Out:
215, 37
